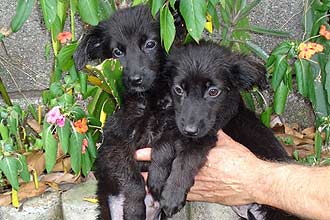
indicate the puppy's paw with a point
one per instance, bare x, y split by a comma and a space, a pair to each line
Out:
155, 188
172, 201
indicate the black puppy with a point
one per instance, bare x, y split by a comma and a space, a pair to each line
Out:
206, 80
132, 36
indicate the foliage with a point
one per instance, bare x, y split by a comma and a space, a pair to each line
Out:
306, 62
12, 145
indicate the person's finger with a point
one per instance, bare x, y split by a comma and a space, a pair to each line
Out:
143, 154
223, 138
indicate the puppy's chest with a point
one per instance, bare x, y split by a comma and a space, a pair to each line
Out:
153, 121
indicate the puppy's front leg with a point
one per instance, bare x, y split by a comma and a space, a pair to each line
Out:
162, 156
120, 188
184, 169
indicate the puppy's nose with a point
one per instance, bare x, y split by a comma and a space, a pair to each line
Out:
191, 130
136, 80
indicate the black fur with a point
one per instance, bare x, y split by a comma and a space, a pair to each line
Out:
145, 112
206, 80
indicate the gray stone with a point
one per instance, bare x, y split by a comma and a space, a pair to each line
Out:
26, 62
45, 207
184, 214
73, 205
298, 110
283, 15
211, 211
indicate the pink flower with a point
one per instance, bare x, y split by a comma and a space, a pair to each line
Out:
53, 115
60, 121
84, 146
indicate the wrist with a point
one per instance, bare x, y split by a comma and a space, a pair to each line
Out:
263, 184
272, 178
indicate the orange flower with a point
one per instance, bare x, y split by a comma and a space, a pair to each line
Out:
307, 50
64, 37
81, 126
84, 146
324, 32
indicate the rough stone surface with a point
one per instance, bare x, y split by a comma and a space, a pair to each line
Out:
26, 48
74, 207
46, 207
278, 15
210, 211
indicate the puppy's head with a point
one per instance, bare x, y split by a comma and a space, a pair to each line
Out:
205, 81
132, 36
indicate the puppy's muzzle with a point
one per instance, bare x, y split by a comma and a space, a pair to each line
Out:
191, 130
136, 80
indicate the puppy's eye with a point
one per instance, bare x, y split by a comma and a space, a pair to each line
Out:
117, 53
150, 44
213, 92
178, 90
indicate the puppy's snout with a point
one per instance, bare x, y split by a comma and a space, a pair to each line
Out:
191, 130
136, 79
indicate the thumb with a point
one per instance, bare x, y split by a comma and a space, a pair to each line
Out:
223, 138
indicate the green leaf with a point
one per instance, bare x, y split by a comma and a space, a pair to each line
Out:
78, 113
302, 70
280, 68
2, 36
282, 49
266, 31
257, 50
55, 29
50, 145
8, 165
109, 72
225, 15
24, 171
88, 10
194, 13
246, 10
83, 83
211, 9
327, 81
155, 6
281, 95
64, 135
223, 3
66, 100
105, 9
265, 116
91, 146
321, 108
4, 132
86, 163
56, 89
248, 100
172, 3
318, 145
65, 59
23, 11
33, 111
137, 2
167, 27
76, 140
49, 8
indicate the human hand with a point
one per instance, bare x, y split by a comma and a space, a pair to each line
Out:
228, 176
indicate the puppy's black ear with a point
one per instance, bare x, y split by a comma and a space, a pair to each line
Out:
95, 44
246, 72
